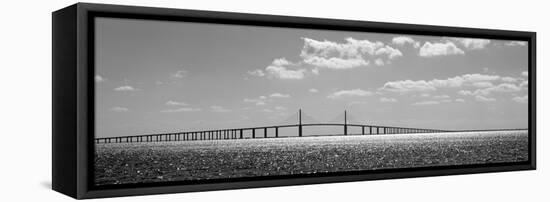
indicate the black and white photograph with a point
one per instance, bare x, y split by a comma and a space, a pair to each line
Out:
189, 102
275, 101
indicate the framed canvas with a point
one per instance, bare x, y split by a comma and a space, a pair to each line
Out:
156, 100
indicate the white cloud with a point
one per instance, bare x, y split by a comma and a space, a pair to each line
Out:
279, 95
439, 49
388, 100
516, 43
336, 63
482, 84
349, 93
98, 78
379, 62
407, 86
256, 72
216, 108
425, 103
480, 77
315, 71
423, 85
505, 88
524, 84
180, 74
402, 40
465, 92
472, 44
353, 103
351, 54
119, 109
521, 99
255, 101
281, 62
460, 100
176, 103
278, 69
501, 88
525, 73
278, 111
280, 108
284, 73
313, 90
389, 51
183, 109
482, 98
441, 97
509, 79
125, 88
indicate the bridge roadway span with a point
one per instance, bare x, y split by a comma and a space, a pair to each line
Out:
239, 133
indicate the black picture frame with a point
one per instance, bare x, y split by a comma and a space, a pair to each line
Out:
73, 98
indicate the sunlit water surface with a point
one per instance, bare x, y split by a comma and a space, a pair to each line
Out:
124, 163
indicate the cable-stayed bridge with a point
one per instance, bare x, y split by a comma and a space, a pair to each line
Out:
298, 120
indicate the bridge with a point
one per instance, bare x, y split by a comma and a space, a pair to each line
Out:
239, 133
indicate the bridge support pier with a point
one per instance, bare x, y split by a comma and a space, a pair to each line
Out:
345, 130
300, 123
276, 131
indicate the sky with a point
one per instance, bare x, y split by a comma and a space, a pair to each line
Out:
159, 76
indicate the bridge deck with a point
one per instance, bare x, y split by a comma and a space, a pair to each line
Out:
238, 133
